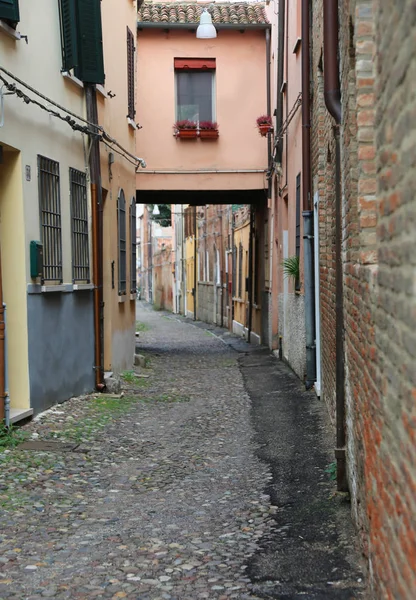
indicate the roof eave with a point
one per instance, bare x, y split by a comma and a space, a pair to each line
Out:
193, 26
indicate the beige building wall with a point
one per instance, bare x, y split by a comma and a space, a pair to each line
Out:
120, 310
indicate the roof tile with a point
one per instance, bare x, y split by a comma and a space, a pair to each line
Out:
241, 13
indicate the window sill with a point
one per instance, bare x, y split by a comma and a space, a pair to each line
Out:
37, 288
68, 75
79, 287
9, 31
131, 123
100, 89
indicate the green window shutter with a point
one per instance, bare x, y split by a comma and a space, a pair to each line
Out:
68, 34
90, 42
9, 10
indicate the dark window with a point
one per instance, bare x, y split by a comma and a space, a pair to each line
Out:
240, 271
122, 259
50, 218
194, 95
297, 283
256, 283
130, 74
82, 40
9, 11
133, 246
79, 218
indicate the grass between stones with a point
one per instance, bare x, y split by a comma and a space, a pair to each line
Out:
142, 327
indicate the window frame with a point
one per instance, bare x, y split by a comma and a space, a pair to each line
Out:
80, 240
122, 243
197, 66
133, 246
49, 187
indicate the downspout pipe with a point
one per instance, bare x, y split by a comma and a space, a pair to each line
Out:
307, 213
280, 75
269, 114
2, 350
97, 237
332, 94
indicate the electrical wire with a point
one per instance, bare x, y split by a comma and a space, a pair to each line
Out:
91, 129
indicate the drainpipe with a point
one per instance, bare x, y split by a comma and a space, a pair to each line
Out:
269, 114
221, 266
2, 351
195, 259
250, 275
308, 257
332, 93
6, 374
280, 74
97, 237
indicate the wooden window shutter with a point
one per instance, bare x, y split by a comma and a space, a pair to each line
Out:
68, 34
130, 75
90, 42
9, 10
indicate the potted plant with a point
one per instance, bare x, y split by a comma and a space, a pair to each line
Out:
208, 130
265, 124
185, 129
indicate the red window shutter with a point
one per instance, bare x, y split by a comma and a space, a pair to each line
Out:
194, 63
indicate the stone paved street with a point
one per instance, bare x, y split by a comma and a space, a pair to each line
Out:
156, 495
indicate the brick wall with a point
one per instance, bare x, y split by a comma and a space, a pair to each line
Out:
378, 156
323, 164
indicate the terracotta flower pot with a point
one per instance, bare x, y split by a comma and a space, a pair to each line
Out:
264, 129
186, 134
208, 134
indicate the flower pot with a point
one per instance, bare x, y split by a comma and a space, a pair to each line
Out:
208, 134
187, 134
264, 129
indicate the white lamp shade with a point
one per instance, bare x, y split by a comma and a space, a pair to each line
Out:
206, 29
156, 210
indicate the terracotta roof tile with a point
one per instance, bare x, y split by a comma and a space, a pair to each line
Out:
241, 13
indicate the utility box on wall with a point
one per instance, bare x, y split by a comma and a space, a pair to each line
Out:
36, 259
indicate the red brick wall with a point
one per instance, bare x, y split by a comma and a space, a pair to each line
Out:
378, 156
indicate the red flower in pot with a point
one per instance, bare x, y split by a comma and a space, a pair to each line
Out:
185, 129
208, 130
265, 124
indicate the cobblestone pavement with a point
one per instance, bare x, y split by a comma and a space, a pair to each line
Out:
157, 495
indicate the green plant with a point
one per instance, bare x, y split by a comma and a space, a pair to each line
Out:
129, 376
10, 437
291, 268
142, 326
332, 470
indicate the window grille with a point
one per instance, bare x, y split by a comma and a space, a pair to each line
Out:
297, 282
50, 218
133, 246
122, 258
79, 218
130, 74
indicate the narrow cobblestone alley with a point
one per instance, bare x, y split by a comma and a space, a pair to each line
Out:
169, 493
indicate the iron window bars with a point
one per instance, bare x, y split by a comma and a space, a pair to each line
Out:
130, 76
50, 218
79, 219
122, 246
